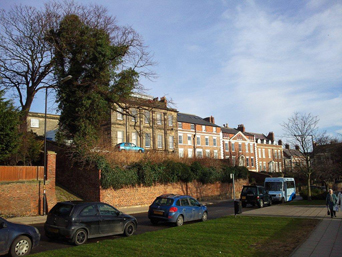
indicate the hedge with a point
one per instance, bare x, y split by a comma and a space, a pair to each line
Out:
149, 174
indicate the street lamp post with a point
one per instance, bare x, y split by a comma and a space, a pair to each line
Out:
45, 147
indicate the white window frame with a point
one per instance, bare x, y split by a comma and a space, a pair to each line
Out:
147, 117
119, 115
198, 140
190, 153
120, 135
181, 152
34, 123
159, 120
215, 154
189, 140
207, 141
171, 140
214, 141
180, 139
135, 138
170, 118
148, 140
160, 141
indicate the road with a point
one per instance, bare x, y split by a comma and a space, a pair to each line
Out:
215, 211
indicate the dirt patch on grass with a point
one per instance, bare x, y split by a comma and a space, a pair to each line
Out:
284, 243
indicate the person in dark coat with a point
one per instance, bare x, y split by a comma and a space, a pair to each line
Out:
331, 203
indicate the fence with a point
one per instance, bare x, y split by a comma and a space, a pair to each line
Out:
17, 173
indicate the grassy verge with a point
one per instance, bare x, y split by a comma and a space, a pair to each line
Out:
228, 236
306, 202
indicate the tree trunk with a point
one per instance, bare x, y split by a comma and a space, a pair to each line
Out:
309, 187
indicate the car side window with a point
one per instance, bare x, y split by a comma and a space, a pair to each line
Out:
193, 202
184, 202
106, 210
178, 203
89, 211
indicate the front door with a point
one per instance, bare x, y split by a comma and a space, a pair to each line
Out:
91, 218
111, 222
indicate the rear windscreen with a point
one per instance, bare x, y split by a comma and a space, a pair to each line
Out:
249, 190
62, 209
163, 201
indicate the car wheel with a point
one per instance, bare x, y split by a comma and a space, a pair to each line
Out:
21, 246
243, 205
179, 221
154, 222
140, 151
80, 237
129, 229
261, 203
204, 216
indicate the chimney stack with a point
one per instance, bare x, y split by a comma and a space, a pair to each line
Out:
210, 119
297, 147
270, 136
241, 128
287, 146
280, 142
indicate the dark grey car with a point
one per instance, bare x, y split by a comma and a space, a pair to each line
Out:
255, 195
17, 239
77, 221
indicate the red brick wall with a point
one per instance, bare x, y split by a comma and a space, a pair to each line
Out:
83, 181
24, 198
135, 196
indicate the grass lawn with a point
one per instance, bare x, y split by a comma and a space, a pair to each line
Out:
228, 236
306, 202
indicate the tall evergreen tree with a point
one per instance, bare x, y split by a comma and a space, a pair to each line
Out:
9, 129
88, 55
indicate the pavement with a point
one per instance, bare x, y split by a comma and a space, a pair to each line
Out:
324, 241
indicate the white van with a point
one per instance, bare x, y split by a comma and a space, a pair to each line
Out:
281, 189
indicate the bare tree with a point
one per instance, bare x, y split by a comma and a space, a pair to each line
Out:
301, 129
26, 58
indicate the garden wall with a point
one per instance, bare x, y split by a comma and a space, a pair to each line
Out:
22, 194
140, 196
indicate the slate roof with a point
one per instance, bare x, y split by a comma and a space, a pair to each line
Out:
292, 152
193, 119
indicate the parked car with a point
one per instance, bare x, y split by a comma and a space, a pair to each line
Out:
129, 147
17, 239
255, 195
77, 221
176, 209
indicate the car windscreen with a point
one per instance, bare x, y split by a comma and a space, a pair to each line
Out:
273, 186
163, 201
61, 209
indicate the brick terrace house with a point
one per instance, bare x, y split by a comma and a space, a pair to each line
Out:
269, 153
198, 137
145, 121
293, 159
239, 147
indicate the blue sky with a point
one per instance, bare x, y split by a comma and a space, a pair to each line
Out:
243, 62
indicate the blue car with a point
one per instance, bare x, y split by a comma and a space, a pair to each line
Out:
17, 239
176, 209
129, 147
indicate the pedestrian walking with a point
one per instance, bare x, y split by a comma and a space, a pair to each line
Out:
331, 202
339, 199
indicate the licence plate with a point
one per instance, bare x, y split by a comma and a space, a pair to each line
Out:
243, 197
158, 212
